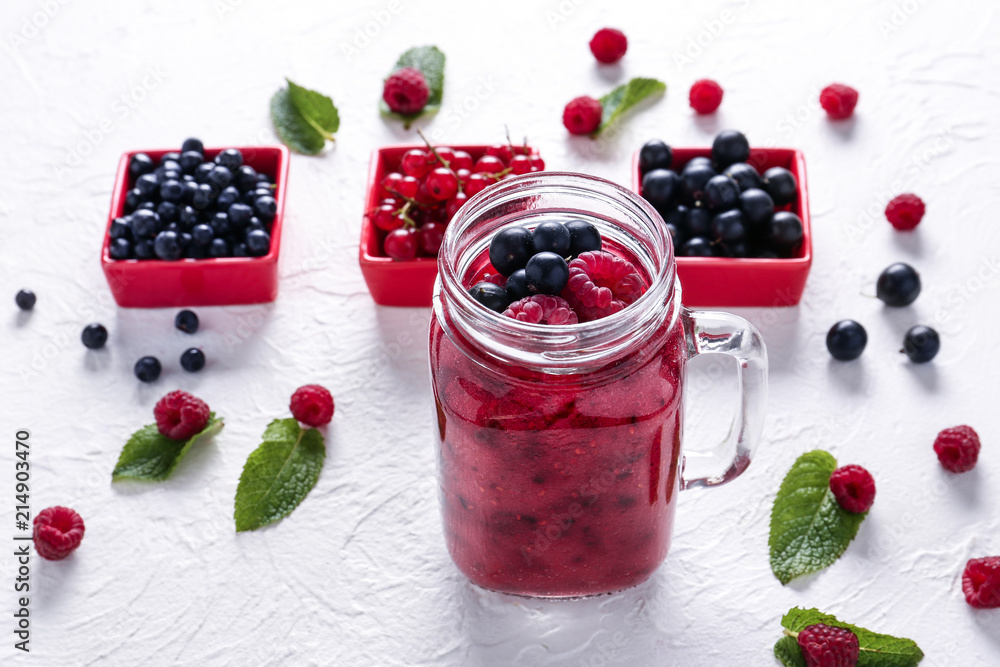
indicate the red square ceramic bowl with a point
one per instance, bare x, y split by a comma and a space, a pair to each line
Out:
154, 283
393, 283
720, 281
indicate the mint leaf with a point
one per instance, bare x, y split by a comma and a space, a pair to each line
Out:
877, 650
304, 119
809, 530
150, 455
278, 474
626, 96
430, 61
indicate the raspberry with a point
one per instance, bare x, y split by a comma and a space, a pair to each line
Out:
601, 284
827, 646
542, 309
58, 532
179, 415
905, 212
838, 101
406, 91
312, 405
608, 45
854, 488
957, 448
981, 582
705, 96
582, 115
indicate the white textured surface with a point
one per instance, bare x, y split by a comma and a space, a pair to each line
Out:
359, 575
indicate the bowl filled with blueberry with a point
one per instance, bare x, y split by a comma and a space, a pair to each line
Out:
196, 226
738, 217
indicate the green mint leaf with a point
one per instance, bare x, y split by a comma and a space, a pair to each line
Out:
304, 119
279, 474
430, 61
150, 455
626, 96
877, 650
788, 652
809, 530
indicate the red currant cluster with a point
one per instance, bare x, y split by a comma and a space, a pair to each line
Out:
430, 185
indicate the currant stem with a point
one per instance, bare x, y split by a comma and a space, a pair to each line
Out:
435, 153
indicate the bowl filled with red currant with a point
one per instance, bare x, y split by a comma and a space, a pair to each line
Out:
413, 193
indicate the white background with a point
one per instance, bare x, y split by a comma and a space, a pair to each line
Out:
359, 575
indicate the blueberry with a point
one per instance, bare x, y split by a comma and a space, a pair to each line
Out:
693, 180
744, 175
167, 246
246, 177
25, 299
189, 161
144, 223
220, 177
192, 360
171, 167
218, 248
120, 248
94, 336
258, 243
722, 193
921, 344
202, 234
203, 198
172, 156
552, 237
780, 184
655, 155
167, 211
699, 222
660, 187
240, 250
239, 215
757, 206
120, 229
729, 226
186, 321
147, 185
265, 208
898, 285
231, 159
490, 295
147, 369
227, 197
190, 191
784, 231
697, 247
132, 200
220, 224
202, 171
143, 249
517, 286
510, 249
730, 147
187, 216
846, 340
547, 273
193, 144
140, 164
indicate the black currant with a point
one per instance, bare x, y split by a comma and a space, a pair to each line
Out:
552, 237
510, 249
729, 147
660, 188
744, 175
921, 344
898, 285
780, 184
655, 155
722, 193
94, 336
490, 295
547, 273
846, 340
25, 299
583, 237
147, 369
192, 360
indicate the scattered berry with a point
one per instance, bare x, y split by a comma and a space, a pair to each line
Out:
981, 582
957, 448
846, 340
147, 369
312, 405
655, 154
179, 415
905, 211
192, 360
186, 321
608, 45
829, 646
406, 91
491, 295
57, 533
854, 488
838, 101
898, 285
921, 344
705, 96
94, 336
730, 146
546, 273
582, 115
542, 309
25, 299
601, 284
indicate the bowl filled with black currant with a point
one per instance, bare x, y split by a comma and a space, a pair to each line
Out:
738, 217
196, 226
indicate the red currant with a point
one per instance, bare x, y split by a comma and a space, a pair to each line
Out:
537, 163
463, 175
447, 154
501, 151
407, 187
442, 184
390, 181
476, 183
385, 218
391, 201
401, 244
454, 204
520, 164
416, 163
462, 160
431, 234
488, 164
424, 196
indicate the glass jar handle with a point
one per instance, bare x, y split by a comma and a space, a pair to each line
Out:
710, 332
